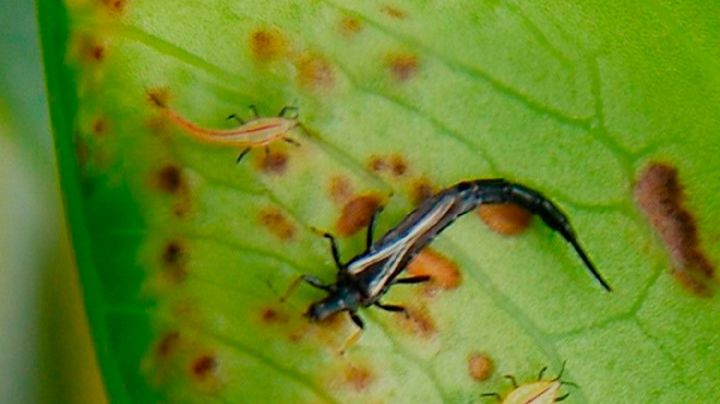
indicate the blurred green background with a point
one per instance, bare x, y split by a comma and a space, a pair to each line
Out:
45, 346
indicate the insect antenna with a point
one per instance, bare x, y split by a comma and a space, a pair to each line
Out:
242, 154
236, 118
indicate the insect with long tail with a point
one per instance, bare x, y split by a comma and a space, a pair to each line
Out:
363, 280
257, 132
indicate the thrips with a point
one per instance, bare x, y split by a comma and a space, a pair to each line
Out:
362, 281
257, 132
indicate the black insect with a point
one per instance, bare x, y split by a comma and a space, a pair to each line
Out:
363, 280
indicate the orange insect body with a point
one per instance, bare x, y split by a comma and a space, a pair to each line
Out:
255, 133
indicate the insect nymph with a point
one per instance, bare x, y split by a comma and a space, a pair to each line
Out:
362, 281
257, 132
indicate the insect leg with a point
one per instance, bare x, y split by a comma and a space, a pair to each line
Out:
562, 370
353, 338
371, 228
309, 279
496, 395
254, 111
391, 307
335, 251
291, 141
512, 380
542, 372
287, 108
242, 154
357, 320
562, 398
237, 118
413, 279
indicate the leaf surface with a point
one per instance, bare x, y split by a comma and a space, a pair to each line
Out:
184, 255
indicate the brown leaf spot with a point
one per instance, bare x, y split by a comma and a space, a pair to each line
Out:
315, 72
377, 164
173, 253
99, 126
422, 190
660, 196
82, 151
204, 366
277, 223
350, 26
89, 49
398, 165
358, 377
269, 315
506, 219
267, 44
274, 162
340, 189
419, 322
356, 214
444, 273
116, 6
167, 344
403, 66
173, 259
480, 366
158, 97
169, 179
157, 124
394, 12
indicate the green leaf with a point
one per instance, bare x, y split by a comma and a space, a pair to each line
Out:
184, 255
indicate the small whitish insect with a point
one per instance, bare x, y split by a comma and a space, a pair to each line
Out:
257, 132
539, 392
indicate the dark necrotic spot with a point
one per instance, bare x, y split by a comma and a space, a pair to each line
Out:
99, 126
116, 6
277, 223
507, 219
173, 258
169, 179
267, 44
167, 344
356, 214
274, 162
398, 165
89, 49
480, 366
660, 196
269, 315
203, 366
97, 52
173, 253
403, 66
422, 190
158, 97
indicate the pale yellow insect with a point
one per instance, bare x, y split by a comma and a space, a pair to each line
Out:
257, 132
539, 392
